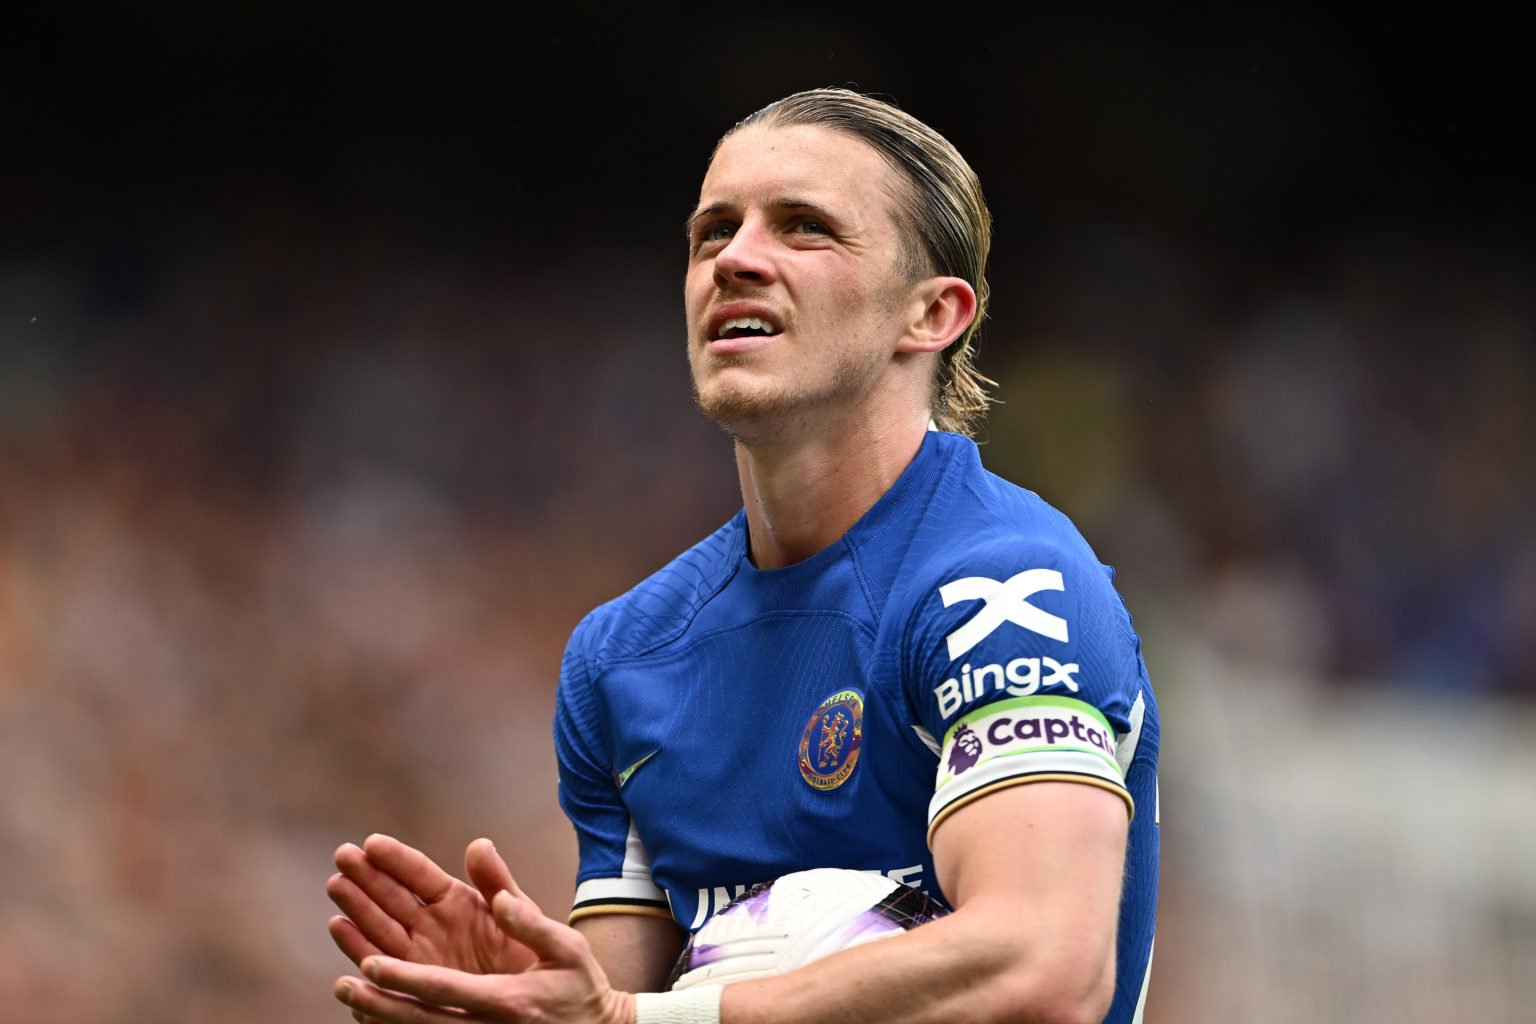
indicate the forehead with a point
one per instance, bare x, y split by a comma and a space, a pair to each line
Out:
805, 163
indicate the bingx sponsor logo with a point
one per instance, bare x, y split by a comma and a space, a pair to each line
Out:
1005, 601
1021, 677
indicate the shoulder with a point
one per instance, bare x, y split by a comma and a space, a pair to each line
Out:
973, 506
1017, 588
1003, 597
661, 606
984, 533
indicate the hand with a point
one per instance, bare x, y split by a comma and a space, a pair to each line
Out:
564, 984
399, 903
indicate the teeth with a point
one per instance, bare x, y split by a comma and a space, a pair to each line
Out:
745, 323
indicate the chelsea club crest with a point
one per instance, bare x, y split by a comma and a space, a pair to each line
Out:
829, 747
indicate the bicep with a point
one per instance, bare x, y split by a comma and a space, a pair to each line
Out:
636, 951
1045, 860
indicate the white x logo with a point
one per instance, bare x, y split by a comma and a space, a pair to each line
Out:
1005, 602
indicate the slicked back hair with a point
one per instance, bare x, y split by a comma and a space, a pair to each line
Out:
947, 228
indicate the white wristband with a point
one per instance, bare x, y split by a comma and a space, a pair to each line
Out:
693, 1006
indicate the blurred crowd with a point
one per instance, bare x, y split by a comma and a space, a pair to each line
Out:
291, 538
1326, 468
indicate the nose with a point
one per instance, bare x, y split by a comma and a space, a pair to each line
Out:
747, 258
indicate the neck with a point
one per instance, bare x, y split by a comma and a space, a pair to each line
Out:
802, 495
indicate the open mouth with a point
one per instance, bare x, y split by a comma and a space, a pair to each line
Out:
745, 327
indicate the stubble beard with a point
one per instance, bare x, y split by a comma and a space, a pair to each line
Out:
767, 412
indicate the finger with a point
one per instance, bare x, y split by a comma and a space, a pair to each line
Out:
369, 1003
410, 867
380, 886
352, 941
381, 928
486, 869
521, 919
437, 986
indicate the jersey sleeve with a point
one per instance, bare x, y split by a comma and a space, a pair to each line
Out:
614, 872
1022, 665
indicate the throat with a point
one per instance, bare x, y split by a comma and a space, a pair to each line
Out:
802, 500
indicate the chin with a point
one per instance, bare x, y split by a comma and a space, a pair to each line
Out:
746, 413
726, 405
760, 407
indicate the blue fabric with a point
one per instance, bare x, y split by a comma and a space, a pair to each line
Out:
789, 719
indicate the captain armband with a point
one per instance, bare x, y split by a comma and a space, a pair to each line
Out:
1025, 739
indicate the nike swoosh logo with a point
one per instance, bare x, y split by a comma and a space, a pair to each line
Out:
627, 772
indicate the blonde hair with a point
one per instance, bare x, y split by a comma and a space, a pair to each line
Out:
948, 230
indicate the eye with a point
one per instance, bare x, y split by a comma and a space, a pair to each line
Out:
716, 231
811, 226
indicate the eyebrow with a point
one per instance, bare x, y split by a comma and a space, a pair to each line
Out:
785, 203
702, 213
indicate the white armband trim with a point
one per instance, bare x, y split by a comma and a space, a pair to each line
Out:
694, 1006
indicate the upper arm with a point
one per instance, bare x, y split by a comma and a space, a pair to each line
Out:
614, 869
1039, 867
1022, 665
636, 951
618, 907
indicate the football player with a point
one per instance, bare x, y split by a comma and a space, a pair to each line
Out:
890, 659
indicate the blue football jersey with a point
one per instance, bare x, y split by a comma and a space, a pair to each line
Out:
721, 725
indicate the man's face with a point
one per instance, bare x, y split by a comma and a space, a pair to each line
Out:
795, 293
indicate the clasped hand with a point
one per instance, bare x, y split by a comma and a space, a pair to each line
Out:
435, 949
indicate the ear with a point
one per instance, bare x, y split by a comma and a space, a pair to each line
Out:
943, 308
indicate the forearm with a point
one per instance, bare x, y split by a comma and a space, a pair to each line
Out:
1032, 937
976, 966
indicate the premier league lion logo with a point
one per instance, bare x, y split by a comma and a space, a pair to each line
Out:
966, 751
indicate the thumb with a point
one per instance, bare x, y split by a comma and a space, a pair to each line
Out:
521, 920
487, 870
